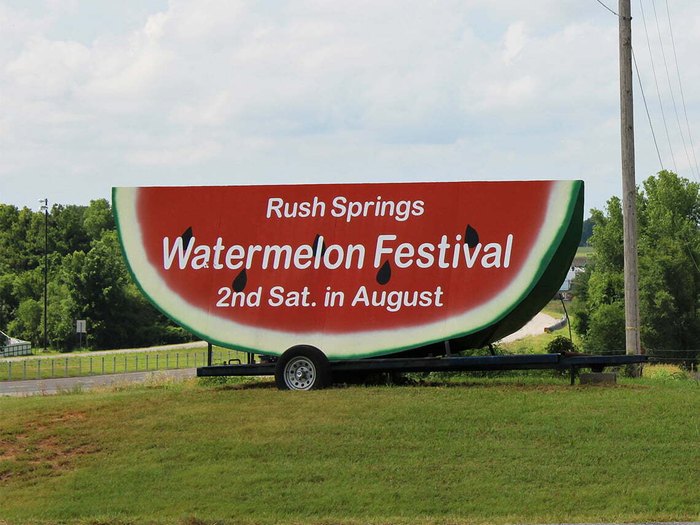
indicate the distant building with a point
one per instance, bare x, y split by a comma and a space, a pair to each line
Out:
9, 346
566, 287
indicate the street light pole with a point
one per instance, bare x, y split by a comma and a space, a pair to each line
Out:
45, 208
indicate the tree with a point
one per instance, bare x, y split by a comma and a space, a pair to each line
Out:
21, 239
102, 292
606, 329
88, 280
669, 273
98, 218
669, 252
27, 321
67, 233
96, 282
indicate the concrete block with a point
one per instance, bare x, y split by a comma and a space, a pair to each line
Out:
598, 378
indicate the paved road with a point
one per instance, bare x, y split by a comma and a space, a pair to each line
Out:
68, 384
535, 326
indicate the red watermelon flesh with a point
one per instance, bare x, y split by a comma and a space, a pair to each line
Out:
431, 253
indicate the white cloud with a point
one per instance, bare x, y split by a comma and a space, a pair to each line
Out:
513, 42
47, 69
176, 154
223, 91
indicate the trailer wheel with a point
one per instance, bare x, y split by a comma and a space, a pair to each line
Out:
302, 368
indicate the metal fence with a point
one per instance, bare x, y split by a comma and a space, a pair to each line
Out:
115, 363
688, 359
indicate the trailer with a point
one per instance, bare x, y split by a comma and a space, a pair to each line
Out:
308, 368
324, 279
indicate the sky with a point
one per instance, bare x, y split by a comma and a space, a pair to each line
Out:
97, 93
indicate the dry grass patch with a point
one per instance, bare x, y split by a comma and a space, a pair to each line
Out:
45, 446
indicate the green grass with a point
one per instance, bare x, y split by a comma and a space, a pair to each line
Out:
85, 363
555, 309
537, 344
479, 452
584, 252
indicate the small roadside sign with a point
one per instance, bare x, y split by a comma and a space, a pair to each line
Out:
81, 326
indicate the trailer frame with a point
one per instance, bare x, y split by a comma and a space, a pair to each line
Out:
572, 362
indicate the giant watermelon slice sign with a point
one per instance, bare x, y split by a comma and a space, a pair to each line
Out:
356, 270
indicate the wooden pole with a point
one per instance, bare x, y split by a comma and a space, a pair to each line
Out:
629, 189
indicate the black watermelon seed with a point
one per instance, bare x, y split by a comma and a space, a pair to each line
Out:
384, 273
187, 237
240, 281
471, 237
315, 246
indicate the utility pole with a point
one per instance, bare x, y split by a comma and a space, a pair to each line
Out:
629, 188
45, 208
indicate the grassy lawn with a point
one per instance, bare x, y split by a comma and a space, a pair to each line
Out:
483, 451
584, 252
555, 309
537, 344
86, 363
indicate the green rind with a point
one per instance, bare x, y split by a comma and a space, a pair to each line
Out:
550, 282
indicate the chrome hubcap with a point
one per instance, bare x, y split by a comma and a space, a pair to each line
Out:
300, 374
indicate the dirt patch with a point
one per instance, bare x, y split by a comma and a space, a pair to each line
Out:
44, 447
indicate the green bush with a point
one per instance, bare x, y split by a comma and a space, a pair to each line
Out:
560, 345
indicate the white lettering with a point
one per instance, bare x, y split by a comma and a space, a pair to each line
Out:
177, 249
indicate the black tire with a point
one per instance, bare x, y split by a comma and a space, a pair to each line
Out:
303, 368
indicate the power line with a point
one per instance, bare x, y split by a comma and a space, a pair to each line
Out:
651, 351
606, 7
670, 87
692, 164
680, 85
658, 90
659, 359
644, 98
